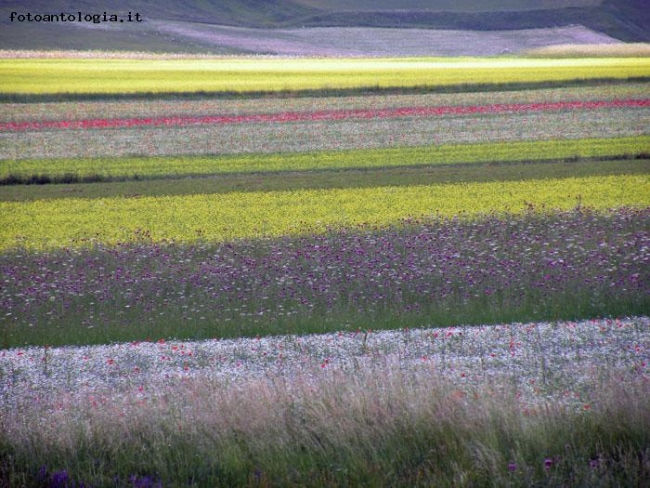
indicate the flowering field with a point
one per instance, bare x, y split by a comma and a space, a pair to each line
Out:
516, 405
385, 113
75, 222
34, 76
162, 107
301, 289
322, 130
584, 120
457, 271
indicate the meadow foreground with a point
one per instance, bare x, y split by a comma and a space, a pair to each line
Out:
541, 404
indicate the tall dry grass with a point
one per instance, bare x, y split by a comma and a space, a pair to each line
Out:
369, 425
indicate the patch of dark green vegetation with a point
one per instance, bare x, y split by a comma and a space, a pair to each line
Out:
45, 179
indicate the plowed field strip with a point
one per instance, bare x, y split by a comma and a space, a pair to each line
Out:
323, 115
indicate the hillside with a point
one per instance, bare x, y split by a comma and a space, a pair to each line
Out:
197, 26
626, 20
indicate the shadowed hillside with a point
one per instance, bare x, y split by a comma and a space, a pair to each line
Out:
625, 20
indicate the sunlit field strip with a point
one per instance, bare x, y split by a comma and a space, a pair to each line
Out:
129, 167
19, 112
219, 217
24, 76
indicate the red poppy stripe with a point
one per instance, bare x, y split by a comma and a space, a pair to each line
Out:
321, 115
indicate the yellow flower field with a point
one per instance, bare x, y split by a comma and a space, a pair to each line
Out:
48, 224
265, 74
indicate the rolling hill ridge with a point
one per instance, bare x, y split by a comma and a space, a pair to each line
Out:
623, 20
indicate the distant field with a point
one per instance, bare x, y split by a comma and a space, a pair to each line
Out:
284, 133
324, 115
38, 76
302, 164
313, 101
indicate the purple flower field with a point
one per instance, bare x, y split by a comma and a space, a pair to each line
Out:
570, 265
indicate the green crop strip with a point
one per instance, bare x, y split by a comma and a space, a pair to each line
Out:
106, 169
330, 179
